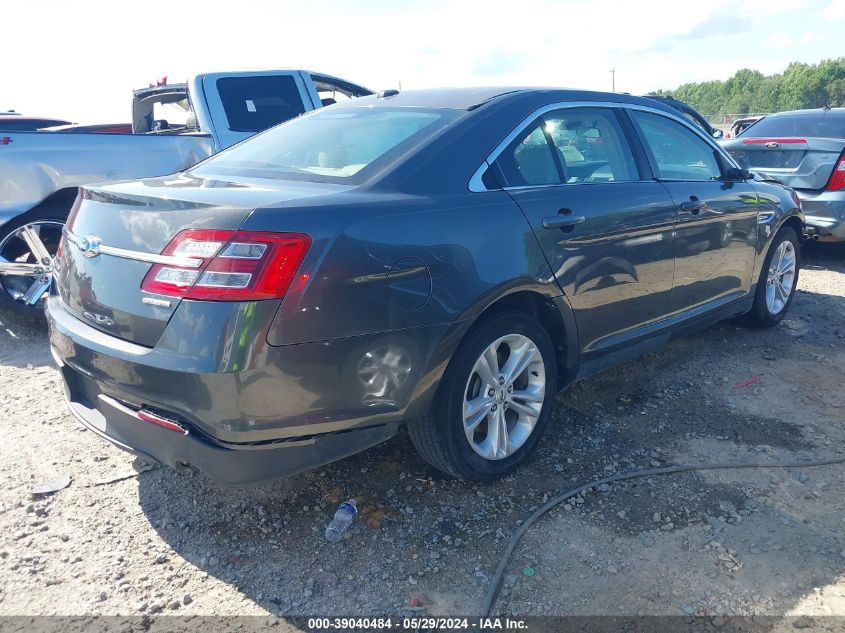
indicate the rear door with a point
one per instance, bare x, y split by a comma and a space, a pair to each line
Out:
716, 232
244, 104
606, 232
800, 149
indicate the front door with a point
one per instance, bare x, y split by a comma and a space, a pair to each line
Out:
606, 233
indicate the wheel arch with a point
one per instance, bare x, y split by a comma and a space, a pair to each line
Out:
551, 310
60, 200
795, 222
555, 315
57, 204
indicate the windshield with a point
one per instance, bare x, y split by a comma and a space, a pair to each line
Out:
331, 145
830, 124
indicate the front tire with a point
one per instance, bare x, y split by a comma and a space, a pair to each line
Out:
778, 280
494, 400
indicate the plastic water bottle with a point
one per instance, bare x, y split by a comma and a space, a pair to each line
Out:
342, 520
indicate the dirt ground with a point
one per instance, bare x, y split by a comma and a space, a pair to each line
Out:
719, 543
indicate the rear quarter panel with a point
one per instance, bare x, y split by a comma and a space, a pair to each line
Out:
403, 278
404, 262
776, 208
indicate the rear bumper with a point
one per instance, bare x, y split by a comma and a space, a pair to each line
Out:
252, 411
825, 212
226, 465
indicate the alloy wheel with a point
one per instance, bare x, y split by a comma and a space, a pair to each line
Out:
26, 260
781, 277
504, 396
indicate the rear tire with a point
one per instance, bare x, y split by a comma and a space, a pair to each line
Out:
484, 424
778, 280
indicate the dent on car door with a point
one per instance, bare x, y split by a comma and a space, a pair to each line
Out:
605, 231
716, 231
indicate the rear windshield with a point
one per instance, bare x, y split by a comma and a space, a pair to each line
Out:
330, 145
830, 124
255, 103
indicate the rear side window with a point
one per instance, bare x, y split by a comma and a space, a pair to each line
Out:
830, 124
528, 160
569, 146
255, 103
679, 153
591, 146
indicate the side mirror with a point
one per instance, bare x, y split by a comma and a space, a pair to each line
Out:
734, 173
718, 134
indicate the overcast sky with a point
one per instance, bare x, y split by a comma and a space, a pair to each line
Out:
80, 60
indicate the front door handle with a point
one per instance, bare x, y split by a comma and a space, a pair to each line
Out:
693, 205
563, 220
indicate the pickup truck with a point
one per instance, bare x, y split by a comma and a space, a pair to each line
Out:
173, 127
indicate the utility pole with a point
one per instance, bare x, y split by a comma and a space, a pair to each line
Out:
613, 79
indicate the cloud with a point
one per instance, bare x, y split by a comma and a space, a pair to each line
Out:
769, 7
809, 37
835, 10
713, 27
500, 62
422, 43
780, 40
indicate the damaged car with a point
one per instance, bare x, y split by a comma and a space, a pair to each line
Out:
443, 259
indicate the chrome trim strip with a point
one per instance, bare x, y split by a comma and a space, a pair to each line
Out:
476, 185
140, 256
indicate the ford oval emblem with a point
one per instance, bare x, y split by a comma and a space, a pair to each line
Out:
772, 145
89, 245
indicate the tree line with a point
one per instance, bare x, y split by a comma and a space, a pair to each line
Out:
799, 86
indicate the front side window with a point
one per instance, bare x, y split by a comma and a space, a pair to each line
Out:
330, 145
255, 103
679, 154
591, 145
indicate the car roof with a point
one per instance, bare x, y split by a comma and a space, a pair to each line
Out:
809, 112
472, 98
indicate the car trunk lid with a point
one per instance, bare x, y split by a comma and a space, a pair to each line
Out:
102, 287
801, 163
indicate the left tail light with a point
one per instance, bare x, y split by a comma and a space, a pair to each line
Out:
236, 265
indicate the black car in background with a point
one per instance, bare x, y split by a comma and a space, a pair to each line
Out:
446, 259
690, 113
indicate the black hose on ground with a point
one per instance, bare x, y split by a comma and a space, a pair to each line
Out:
493, 589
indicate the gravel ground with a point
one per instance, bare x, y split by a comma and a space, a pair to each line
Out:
130, 538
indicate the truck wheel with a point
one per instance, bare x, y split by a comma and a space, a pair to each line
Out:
28, 244
494, 400
778, 280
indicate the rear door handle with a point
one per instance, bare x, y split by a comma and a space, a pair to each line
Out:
562, 220
693, 205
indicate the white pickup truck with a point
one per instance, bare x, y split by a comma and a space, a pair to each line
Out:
173, 127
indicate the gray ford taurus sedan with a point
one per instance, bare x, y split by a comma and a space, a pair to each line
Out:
448, 259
